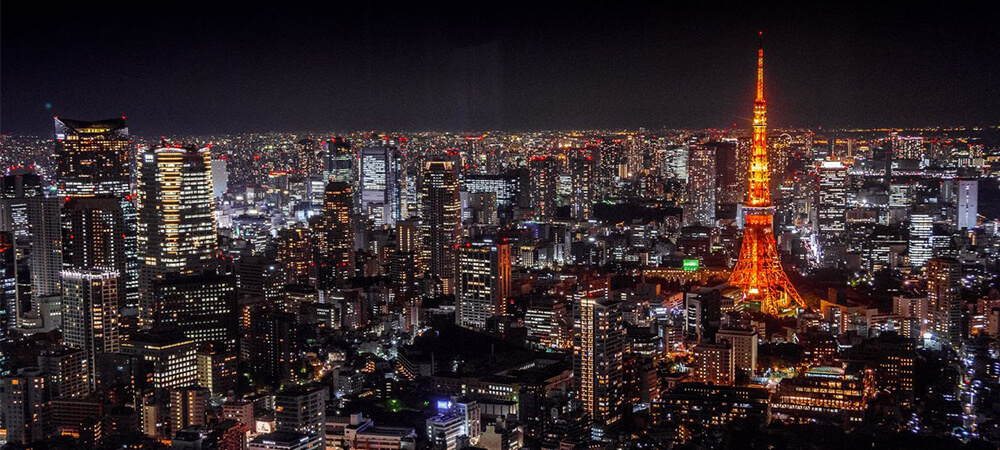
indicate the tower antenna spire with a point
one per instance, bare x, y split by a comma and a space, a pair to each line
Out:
760, 66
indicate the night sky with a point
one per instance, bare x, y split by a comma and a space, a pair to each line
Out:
199, 68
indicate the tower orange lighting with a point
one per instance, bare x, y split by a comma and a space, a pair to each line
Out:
758, 272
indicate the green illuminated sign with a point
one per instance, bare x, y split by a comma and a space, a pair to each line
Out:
691, 265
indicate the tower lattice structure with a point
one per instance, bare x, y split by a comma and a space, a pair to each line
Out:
758, 272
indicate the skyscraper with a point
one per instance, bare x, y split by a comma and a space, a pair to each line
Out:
202, 307
176, 228
380, 184
701, 186
338, 220
582, 194
483, 286
831, 211
919, 246
24, 402
442, 221
90, 318
758, 272
340, 161
967, 203
93, 158
944, 299
598, 355
544, 185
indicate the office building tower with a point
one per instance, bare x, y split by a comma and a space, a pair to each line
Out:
95, 235
442, 224
380, 184
598, 357
24, 404
967, 203
338, 220
582, 192
340, 162
31, 221
93, 158
202, 307
274, 350
944, 299
302, 409
920, 246
506, 187
168, 359
187, 407
713, 363
296, 255
90, 317
701, 183
217, 369
743, 344
68, 370
308, 156
832, 211
729, 175
484, 277
9, 289
176, 226
544, 185
445, 429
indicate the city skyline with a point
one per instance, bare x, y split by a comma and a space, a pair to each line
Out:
746, 286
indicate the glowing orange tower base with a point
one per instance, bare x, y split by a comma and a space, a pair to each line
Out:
758, 271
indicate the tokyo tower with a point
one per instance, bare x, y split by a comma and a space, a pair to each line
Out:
758, 271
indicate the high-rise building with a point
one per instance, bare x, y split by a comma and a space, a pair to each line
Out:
68, 370
507, 189
217, 369
302, 409
380, 184
920, 246
714, 363
944, 299
168, 359
274, 350
90, 317
340, 161
201, 307
598, 355
308, 156
24, 404
32, 221
967, 203
442, 222
743, 344
187, 407
832, 210
544, 185
176, 227
582, 192
296, 255
95, 235
701, 186
93, 158
338, 217
758, 272
484, 277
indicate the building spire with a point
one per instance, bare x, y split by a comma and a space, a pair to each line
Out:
760, 67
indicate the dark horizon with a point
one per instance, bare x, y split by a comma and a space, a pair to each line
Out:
233, 69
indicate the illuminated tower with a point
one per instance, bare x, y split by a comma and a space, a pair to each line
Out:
176, 227
442, 222
758, 271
